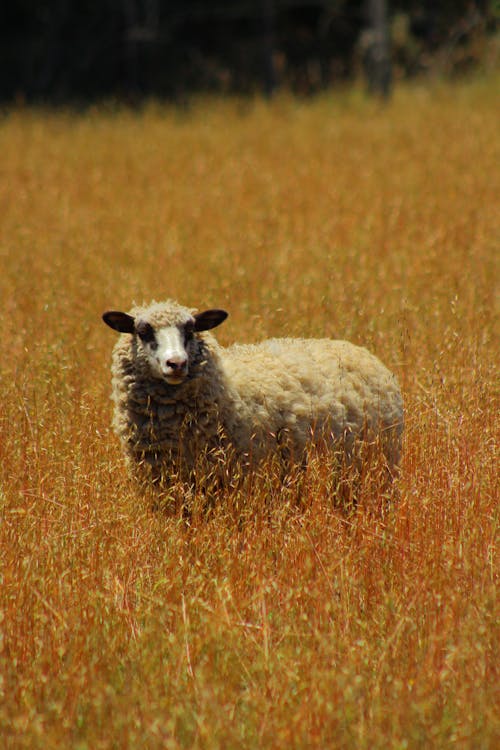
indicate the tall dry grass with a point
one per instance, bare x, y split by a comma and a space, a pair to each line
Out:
266, 624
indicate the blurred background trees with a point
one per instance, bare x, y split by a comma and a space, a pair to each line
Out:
76, 50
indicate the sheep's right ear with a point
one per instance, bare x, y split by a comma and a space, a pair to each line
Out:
119, 321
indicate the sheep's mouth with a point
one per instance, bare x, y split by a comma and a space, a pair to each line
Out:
175, 379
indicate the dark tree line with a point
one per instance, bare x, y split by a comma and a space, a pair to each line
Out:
63, 50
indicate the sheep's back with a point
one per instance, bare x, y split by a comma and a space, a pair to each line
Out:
313, 384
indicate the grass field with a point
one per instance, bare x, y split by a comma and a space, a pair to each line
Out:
266, 625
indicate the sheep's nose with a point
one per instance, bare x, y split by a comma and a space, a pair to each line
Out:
177, 363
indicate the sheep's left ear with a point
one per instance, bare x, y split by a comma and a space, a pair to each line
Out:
209, 319
119, 321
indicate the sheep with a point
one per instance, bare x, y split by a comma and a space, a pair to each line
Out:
179, 396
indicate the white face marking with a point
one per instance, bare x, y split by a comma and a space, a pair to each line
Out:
167, 355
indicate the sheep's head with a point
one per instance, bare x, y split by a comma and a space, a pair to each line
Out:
166, 335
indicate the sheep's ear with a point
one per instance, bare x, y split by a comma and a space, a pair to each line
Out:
119, 321
209, 319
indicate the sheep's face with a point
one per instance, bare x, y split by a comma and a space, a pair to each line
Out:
168, 348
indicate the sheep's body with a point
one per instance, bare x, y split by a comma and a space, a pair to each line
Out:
278, 395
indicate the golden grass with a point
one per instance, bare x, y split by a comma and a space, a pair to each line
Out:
267, 624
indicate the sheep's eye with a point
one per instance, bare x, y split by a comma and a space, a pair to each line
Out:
146, 334
188, 333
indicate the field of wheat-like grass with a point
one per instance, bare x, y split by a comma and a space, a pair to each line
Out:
266, 623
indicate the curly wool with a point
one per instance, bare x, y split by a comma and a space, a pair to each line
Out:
254, 399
